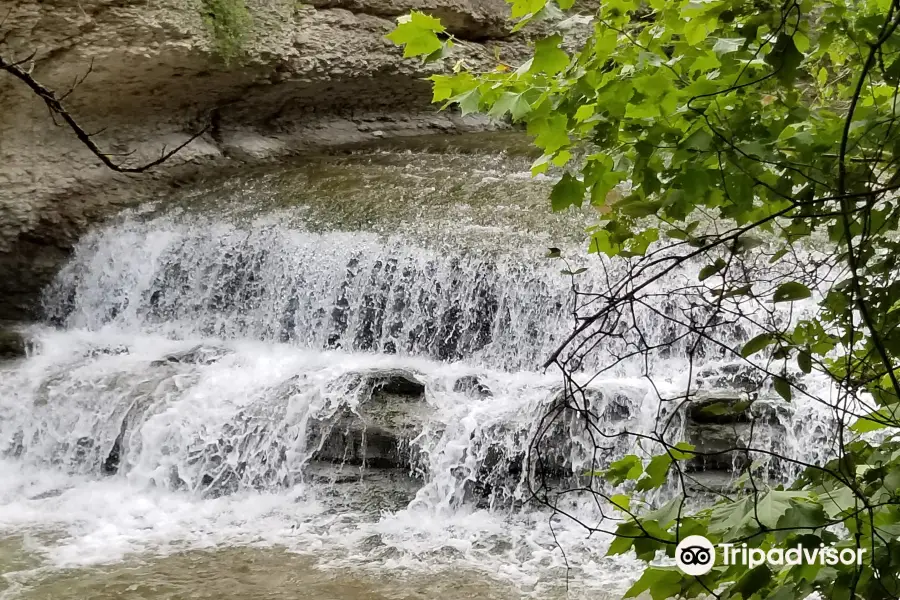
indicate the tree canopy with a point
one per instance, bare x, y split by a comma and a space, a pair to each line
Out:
776, 122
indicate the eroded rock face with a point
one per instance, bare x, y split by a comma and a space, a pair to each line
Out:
468, 19
379, 431
309, 75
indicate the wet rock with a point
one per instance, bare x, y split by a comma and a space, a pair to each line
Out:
740, 377
397, 382
721, 446
379, 430
12, 344
561, 444
719, 408
374, 491
721, 425
472, 386
198, 355
110, 466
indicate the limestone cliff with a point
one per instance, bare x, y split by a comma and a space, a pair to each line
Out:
307, 74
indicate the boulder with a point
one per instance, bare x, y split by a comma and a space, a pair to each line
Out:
739, 377
377, 431
721, 424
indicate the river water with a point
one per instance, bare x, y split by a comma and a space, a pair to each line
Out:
127, 474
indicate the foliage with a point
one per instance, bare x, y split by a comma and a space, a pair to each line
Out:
777, 118
228, 21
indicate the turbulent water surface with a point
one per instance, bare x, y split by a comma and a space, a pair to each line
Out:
128, 472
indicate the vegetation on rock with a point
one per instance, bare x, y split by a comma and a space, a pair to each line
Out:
777, 123
228, 22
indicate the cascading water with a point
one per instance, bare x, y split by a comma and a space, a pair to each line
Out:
217, 380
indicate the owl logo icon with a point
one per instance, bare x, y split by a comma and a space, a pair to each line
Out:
695, 555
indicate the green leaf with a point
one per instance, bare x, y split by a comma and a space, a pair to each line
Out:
728, 45
785, 58
655, 473
695, 32
802, 515
752, 581
791, 291
550, 133
638, 244
627, 467
601, 242
667, 513
710, 270
416, 32
504, 104
804, 361
682, 451
879, 419
522, 8
736, 519
548, 57
700, 140
621, 545
468, 102
584, 112
756, 344
661, 583
748, 242
621, 501
783, 387
568, 191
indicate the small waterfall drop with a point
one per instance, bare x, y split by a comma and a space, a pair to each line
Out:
335, 385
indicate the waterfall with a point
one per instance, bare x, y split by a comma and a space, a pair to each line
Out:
199, 361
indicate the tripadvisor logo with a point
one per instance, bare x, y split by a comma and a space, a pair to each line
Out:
696, 555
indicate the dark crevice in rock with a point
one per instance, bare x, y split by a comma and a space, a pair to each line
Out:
13, 344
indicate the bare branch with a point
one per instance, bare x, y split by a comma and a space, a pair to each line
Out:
54, 105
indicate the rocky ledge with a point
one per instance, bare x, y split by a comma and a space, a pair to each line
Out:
298, 76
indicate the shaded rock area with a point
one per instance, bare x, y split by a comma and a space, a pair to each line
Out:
12, 344
581, 427
723, 424
379, 430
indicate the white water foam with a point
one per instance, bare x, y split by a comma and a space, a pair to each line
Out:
216, 452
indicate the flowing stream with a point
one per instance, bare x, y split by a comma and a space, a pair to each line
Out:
171, 433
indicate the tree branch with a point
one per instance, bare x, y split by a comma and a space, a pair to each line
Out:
54, 105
